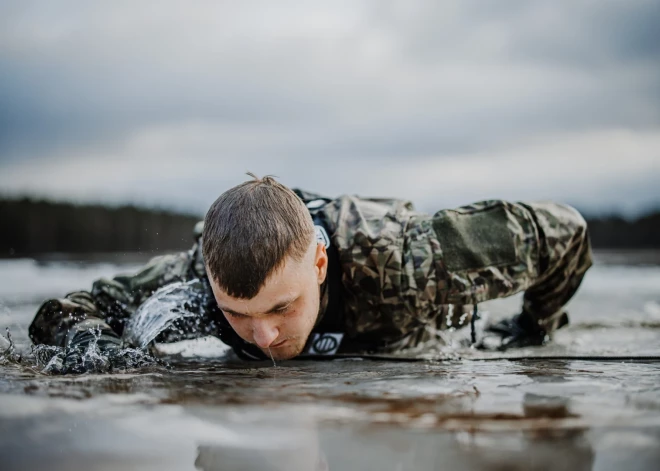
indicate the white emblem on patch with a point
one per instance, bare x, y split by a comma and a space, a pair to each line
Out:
324, 344
322, 236
315, 204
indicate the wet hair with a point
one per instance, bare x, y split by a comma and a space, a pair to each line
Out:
250, 230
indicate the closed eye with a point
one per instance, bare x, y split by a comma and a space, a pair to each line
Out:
234, 315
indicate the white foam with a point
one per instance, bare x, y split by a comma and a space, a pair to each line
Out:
205, 347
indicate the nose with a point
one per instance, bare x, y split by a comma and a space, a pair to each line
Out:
264, 332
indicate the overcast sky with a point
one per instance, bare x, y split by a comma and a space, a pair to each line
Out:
440, 102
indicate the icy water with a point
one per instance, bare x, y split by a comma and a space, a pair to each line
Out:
203, 412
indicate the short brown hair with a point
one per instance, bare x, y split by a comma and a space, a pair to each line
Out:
249, 231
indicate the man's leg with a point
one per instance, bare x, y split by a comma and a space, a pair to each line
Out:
564, 259
494, 249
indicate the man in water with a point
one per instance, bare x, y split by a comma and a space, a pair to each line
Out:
283, 273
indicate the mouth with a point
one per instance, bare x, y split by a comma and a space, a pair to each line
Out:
279, 344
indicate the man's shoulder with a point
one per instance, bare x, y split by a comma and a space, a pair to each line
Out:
346, 202
352, 219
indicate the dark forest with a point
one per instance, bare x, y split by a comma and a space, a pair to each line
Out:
31, 227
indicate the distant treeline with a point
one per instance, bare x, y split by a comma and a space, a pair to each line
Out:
617, 233
32, 227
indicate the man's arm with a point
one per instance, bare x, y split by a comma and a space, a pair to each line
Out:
111, 302
494, 249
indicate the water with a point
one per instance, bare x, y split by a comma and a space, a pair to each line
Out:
174, 302
271, 357
216, 413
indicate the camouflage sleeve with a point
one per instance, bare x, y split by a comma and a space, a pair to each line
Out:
494, 249
111, 302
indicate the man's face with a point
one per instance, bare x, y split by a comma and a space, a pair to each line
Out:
281, 316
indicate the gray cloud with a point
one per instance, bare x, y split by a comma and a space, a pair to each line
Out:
145, 101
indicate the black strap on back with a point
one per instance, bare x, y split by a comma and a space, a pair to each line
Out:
333, 317
333, 320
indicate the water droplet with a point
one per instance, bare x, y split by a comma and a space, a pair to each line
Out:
271, 356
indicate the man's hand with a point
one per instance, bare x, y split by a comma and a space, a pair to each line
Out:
520, 331
90, 348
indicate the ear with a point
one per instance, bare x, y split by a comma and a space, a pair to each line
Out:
321, 262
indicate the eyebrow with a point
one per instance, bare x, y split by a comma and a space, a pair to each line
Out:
276, 307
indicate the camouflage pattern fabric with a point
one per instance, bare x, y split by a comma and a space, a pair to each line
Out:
405, 275
111, 302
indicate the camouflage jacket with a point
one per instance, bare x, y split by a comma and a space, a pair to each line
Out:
396, 276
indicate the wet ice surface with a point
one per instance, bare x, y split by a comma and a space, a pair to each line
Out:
204, 413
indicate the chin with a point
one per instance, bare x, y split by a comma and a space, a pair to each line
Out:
291, 351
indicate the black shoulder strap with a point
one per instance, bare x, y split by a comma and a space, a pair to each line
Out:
333, 317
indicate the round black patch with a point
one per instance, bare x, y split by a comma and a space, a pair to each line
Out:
325, 344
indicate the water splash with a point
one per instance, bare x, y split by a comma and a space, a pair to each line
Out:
49, 359
174, 302
271, 357
8, 354
178, 307
56, 360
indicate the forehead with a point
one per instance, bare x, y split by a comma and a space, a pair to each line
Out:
284, 283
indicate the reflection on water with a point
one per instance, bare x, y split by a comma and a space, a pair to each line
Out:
349, 414
295, 444
537, 448
566, 449
342, 414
